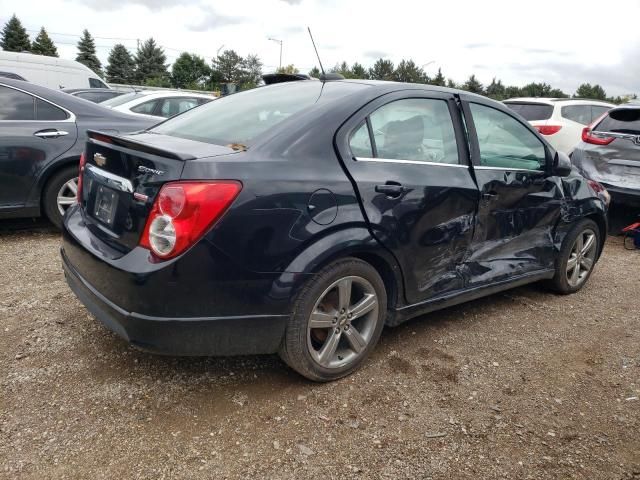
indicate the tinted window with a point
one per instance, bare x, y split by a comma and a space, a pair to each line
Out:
360, 142
146, 107
597, 112
415, 129
505, 142
174, 106
95, 83
577, 113
241, 117
531, 111
623, 120
46, 111
15, 105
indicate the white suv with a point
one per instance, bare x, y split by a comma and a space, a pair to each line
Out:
560, 120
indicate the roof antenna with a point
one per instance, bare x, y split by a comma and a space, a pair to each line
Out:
324, 76
317, 54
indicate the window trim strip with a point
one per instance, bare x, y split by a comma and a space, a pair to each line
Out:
410, 162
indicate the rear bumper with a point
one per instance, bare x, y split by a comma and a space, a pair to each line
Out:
228, 335
627, 196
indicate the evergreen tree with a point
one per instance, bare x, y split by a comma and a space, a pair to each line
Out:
473, 85
359, 72
43, 45
512, 92
189, 71
228, 67
408, 71
439, 79
382, 70
290, 69
14, 37
342, 69
586, 90
451, 83
150, 63
121, 67
315, 72
87, 53
252, 67
496, 90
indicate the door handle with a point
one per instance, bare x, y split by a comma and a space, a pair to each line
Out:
51, 133
392, 190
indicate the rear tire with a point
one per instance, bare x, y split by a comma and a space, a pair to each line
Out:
336, 321
59, 194
577, 257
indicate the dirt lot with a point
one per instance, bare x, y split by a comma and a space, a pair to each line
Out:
523, 384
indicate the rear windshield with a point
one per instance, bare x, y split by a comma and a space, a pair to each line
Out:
625, 120
122, 99
531, 111
241, 117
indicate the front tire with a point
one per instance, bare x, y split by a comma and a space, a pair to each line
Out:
577, 257
59, 194
336, 321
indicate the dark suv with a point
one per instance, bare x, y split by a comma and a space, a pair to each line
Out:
302, 217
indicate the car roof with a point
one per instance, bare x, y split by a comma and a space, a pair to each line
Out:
77, 105
76, 90
557, 101
171, 93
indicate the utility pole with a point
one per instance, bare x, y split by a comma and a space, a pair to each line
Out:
280, 42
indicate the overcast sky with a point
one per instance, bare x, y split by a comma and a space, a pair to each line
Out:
561, 42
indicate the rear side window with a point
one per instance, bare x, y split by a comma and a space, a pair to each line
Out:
597, 112
146, 107
504, 142
360, 142
16, 105
577, 113
46, 111
531, 111
174, 106
417, 129
624, 120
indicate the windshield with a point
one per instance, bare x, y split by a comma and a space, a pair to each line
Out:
624, 120
122, 99
531, 111
239, 118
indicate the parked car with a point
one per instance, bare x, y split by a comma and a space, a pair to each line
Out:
95, 95
610, 153
560, 120
15, 76
163, 103
302, 217
52, 72
42, 134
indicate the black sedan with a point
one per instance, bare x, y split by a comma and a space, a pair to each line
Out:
95, 95
302, 217
42, 134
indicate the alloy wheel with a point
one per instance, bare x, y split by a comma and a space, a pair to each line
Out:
582, 257
67, 195
342, 322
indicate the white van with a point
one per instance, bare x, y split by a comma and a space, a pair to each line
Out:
50, 72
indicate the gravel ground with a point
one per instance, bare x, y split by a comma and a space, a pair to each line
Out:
524, 384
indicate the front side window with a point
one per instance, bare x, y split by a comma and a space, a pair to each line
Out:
16, 105
417, 129
147, 107
504, 142
577, 113
96, 83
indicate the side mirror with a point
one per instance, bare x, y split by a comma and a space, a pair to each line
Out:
561, 165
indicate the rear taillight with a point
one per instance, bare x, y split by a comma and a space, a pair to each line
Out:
548, 129
595, 138
600, 191
83, 160
183, 212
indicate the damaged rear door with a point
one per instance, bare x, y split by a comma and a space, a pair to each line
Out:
519, 201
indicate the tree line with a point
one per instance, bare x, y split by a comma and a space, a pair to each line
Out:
148, 66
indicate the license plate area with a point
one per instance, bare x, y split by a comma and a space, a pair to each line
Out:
105, 205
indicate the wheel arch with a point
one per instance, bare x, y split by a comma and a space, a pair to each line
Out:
35, 196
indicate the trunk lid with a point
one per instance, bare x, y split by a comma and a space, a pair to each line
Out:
122, 177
